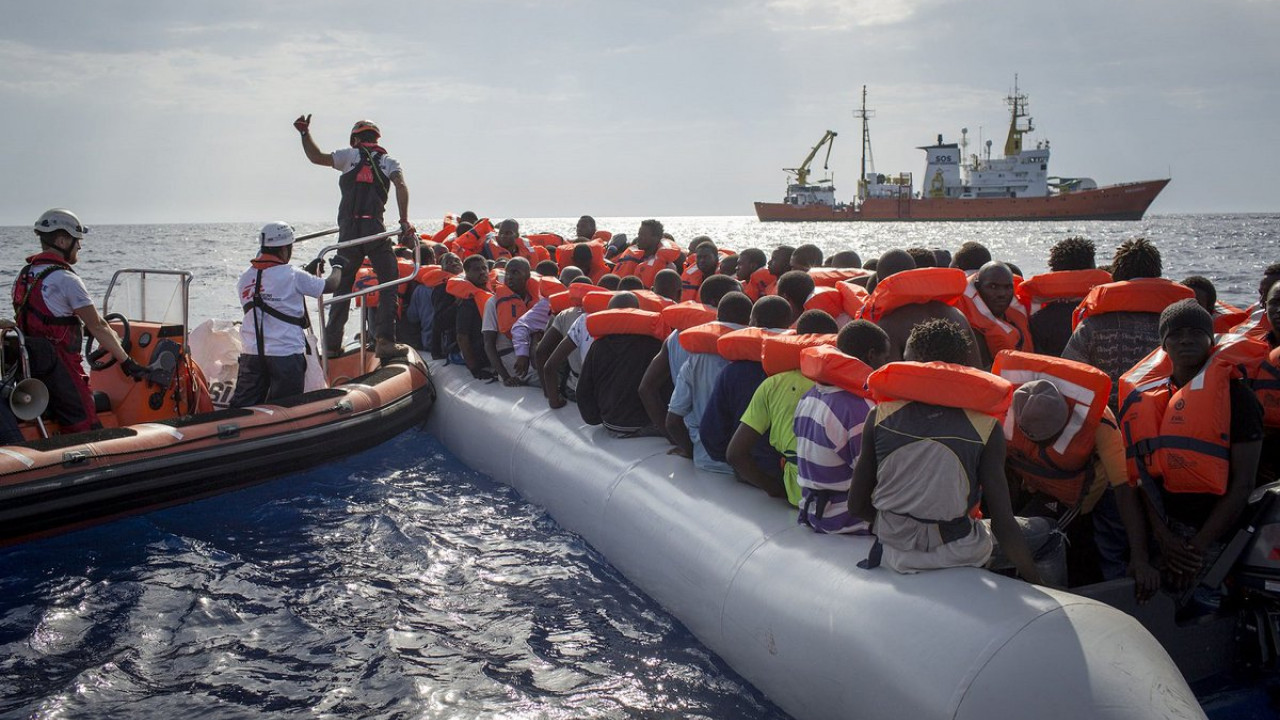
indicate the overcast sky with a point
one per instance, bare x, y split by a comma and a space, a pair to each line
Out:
136, 111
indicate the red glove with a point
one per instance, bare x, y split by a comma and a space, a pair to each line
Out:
302, 124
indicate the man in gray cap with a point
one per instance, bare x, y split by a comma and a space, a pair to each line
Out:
1194, 429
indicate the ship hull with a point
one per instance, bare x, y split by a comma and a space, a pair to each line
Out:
1127, 201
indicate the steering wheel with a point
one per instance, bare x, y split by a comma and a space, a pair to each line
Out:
101, 359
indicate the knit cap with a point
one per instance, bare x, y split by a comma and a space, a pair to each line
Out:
1185, 314
1039, 410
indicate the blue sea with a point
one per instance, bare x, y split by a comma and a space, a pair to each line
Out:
399, 583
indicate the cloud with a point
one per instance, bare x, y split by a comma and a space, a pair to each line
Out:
835, 15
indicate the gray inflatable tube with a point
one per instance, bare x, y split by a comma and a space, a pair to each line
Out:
787, 608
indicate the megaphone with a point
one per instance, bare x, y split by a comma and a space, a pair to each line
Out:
28, 398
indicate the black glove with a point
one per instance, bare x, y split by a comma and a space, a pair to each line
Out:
133, 369
302, 124
315, 267
337, 262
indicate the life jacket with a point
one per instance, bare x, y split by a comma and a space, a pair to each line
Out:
826, 299
634, 262
524, 249
30, 311
761, 283
545, 240
364, 187
1183, 435
463, 289
705, 338
626, 321
945, 384
511, 306
852, 298
1011, 333
1227, 316
472, 241
914, 287
1256, 325
1063, 470
826, 365
442, 234
781, 353
1038, 291
432, 275
684, 315
599, 267
690, 283
1151, 295
832, 277
745, 344
598, 300
1266, 385
367, 278
603, 236
572, 297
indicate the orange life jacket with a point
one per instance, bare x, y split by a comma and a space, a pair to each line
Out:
944, 384
548, 285
831, 277
1256, 326
463, 289
1151, 295
471, 241
745, 344
511, 306
852, 298
690, 283
598, 300
442, 234
433, 275
1010, 333
1227, 316
548, 240
825, 364
626, 321
705, 338
1183, 435
572, 297
761, 283
1063, 469
826, 299
780, 353
524, 248
684, 315
914, 287
1039, 290
633, 262
367, 278
599, 267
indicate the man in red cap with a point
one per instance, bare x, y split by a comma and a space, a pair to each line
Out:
367, 175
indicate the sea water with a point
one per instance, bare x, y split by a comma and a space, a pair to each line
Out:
398, 583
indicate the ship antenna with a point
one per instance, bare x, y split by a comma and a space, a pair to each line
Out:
864, 113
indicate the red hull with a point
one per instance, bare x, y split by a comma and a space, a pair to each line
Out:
1128, 201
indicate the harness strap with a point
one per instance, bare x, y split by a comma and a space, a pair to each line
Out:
303, 321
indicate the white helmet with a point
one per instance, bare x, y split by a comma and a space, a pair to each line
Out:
276, 234
60, 219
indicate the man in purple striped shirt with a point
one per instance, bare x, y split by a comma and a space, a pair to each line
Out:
828, 429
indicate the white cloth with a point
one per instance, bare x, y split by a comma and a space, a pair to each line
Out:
283, 288
64, 292
348, 158
563, 323
580, 337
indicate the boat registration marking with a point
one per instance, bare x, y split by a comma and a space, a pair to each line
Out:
18, 456
175, 432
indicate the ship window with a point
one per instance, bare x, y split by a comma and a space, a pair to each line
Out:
1044, 166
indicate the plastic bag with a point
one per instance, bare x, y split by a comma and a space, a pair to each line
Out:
215, 346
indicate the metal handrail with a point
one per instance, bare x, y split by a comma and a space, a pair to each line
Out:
324, 351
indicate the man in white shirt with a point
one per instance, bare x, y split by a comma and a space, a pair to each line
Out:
367, 175
274, 363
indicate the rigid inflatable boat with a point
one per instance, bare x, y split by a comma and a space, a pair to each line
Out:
787, 608
165, 442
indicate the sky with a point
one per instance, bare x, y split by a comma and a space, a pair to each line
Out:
136, 111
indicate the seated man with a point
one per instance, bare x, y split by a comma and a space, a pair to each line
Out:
511, 298
931, 449
899, 319
667, 284
696, 380
1053, 296
422, 309
828, 428
796, 286
765, 280
771, 413
997, 321
706, 263
611, 372
274, 363
1193, 431
471, 297
560, 371
52, 308
806, 257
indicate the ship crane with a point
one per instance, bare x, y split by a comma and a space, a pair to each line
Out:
802, 172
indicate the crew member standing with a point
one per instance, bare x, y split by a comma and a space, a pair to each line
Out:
368, 173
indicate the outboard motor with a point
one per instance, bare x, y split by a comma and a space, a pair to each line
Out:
1252, 562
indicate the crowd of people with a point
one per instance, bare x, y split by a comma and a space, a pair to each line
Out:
1070, 426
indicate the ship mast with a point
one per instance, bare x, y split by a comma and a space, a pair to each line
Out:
1017, 103
864, 113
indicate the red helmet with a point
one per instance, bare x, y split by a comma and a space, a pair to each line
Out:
363, 125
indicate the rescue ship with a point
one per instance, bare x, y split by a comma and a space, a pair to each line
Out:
164, 441
956, 187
